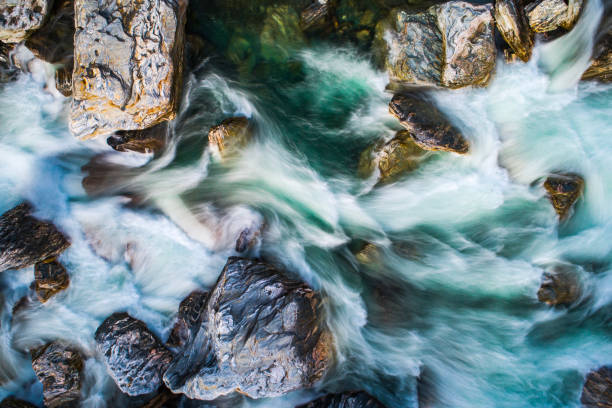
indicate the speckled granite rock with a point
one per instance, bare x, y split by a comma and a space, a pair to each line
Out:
513, 25
50, 277
128, 64
262, 334
59, 367
134, 357
18, 18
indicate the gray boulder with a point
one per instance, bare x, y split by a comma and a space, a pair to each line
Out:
262, 335
19, 18
513, 25
59, 368
25, 240
134, 357
128, 64
428, 127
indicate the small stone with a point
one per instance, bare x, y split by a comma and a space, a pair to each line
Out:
597, 389
231, 135
563, 191
369, 254
50, 277
59, 367
560, 286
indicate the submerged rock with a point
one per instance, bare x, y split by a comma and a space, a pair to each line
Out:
25, 240
249, 238
262, 335
227, 138
128, 64
601, 64
50, 277
560, 286
597, 389
563, 191
18, 18
426, 124
514, 27
393, 159
355, 399
59, 368
369, 254
550, 15
449, 45
134, 357
12, 402
142, 141
188, 320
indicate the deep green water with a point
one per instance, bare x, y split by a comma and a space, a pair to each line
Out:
464, 239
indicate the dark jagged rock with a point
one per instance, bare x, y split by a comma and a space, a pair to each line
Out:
19, 18
50, 277
12, 402
316, 15
25, 240
560, 286
188, 320
563, 191
63, 81
426, 124
393, 159
597, 389
262, 335
59, 368
134, 357
550, 15
514, 27
601, 64
128, 60
229, 136
248, 238
356, 399
142, 141
449, 45
54, 41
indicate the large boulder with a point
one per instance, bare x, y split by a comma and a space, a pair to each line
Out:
59, 368
227, 138
550, 15
128, 64
601, 63
560, 286
19, 18
262, 334
563, 191
392, 159
356, 399
188, 320
50, 277
25, 240
449, 45
428, 127
134, 356
514, 27
597, 389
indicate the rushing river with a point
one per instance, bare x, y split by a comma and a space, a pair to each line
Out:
464, 240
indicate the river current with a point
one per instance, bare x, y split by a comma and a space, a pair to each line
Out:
464, 240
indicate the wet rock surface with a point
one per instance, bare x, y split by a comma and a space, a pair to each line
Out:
427, 125
25, 240
563, 191
59, 367
356, 399
393, 159
560, 286
134, 357
550, 15
50, 277
449, 45
514, 27
149, 140
63, 81
316, 16
188, 320
128, 65
12, 402
601, 65
18, 18
262, 334
597, 389
227, 138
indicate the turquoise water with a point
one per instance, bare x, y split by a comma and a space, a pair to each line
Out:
464, 239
